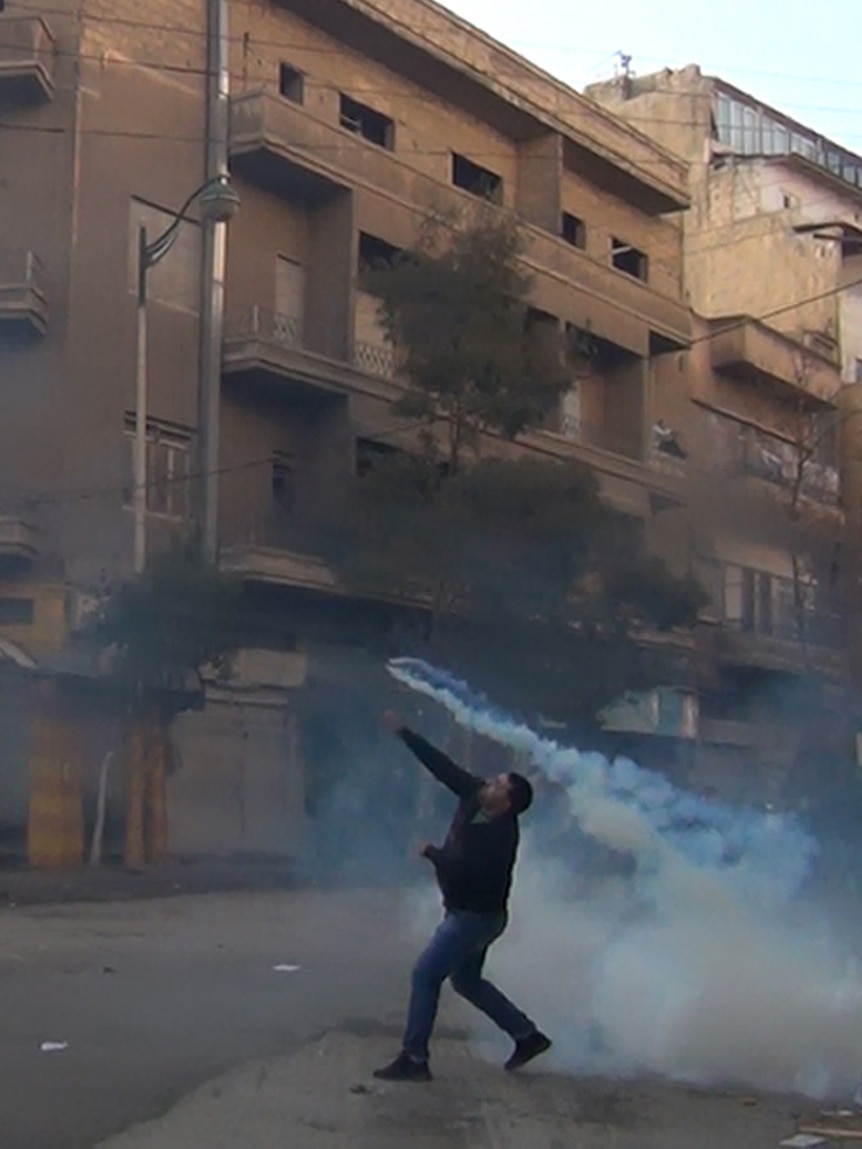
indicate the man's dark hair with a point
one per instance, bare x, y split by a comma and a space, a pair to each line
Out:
520, 793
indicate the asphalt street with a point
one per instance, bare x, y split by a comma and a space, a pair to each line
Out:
155, 997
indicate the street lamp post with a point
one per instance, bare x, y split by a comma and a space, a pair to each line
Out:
218, 201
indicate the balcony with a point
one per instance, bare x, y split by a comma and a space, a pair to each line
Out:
267, 349
762, 626
23, 304
752, 648
820, 483
268, 546
743, 347
742, 449
18, 539
277, 566
288, 151
26, 61
293, 153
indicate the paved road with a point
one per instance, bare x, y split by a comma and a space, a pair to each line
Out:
156, 997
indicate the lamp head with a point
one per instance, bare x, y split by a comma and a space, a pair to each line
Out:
219, 200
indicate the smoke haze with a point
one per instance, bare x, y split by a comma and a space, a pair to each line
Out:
703, 961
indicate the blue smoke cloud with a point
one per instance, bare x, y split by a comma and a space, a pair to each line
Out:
683, 843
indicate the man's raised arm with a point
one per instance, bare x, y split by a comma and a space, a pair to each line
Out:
459, 781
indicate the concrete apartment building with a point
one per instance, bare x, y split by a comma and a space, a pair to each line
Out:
352, 121
772, 269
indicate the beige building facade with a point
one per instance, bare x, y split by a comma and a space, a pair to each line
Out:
772, 269
352, 122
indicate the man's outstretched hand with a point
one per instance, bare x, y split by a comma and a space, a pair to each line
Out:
393, 721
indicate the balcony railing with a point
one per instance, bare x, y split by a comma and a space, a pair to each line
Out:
270, 326
763, 606
818, 481
375, 359
266, 542
23, 303
26, 59
579, 430
789, 623
272, 527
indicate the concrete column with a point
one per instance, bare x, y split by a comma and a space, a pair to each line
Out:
331, 274
540, 179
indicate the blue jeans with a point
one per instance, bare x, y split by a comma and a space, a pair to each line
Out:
457, 951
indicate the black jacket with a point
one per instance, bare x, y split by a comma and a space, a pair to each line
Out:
474, 865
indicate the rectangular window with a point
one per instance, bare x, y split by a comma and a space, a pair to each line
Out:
574, 230
367, 122
168, 468
721, 113
17, 611
291, 84
765, 623
476, 180
736, 139
175, 280
376, 253
289, 301
371, 453
570, 412
626, 258
544, 329
283, 483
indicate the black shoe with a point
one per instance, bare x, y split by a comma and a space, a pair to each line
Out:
404, 1068
528, 1048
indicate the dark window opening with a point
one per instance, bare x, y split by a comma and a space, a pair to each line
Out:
368, 123
16, 611
574, 230
628, 259
370, 454
476, 180
283, 484
545, 329
291, 84
376, 253
534, 317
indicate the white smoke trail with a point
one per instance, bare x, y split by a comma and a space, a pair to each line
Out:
695, 969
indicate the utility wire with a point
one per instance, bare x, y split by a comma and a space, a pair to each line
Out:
85, 494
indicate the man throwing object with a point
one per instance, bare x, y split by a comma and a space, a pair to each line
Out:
474, 871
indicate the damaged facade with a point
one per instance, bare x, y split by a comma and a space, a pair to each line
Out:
761, 404
352, 122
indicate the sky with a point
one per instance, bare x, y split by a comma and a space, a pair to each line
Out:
801, 57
